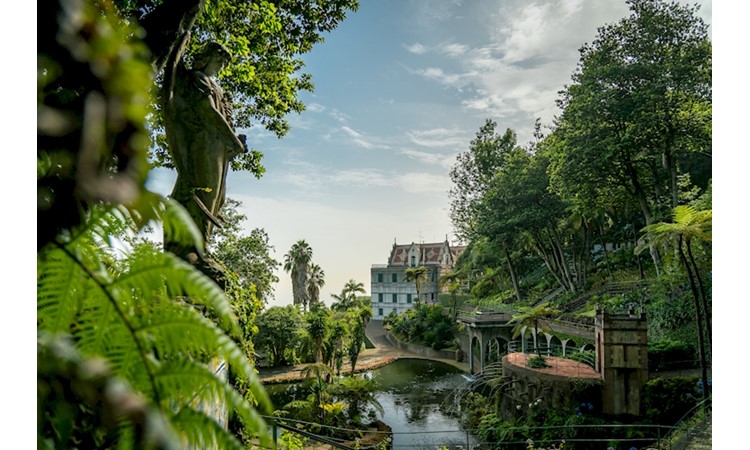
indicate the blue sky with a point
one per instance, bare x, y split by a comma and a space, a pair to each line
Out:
402, 87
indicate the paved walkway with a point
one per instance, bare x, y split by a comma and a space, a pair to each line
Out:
371, 358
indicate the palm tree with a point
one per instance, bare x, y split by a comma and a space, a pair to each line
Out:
358, 392
319, 374
689, 225
418, 275
315, 281
532, 316
347, 299
318, 324
452, 282
297, 262
360, 315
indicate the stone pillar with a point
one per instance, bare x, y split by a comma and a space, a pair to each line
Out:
622, 360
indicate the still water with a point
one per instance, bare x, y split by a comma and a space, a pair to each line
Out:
415, 395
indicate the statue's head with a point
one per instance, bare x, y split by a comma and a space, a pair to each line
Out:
211, 50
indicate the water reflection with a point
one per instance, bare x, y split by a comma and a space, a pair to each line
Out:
415, 395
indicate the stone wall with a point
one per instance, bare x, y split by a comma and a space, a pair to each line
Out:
420, 349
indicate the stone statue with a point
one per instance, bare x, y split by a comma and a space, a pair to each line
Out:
198, 126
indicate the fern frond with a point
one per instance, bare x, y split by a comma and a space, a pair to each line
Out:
178, 278
196, 385
141, 315
179, 226
202, 432
61, 285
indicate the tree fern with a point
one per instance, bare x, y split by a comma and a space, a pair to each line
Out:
154, 319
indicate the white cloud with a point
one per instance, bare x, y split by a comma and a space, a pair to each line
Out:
438, 137
437, 74
315, 107
445, 161
453, 49
416, 48
362, 140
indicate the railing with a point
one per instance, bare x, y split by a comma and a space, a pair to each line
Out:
553, 350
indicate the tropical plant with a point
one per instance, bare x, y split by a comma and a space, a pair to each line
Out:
278, 328
318, 375
297, 261
249, 257
689, 225
348, 297
130, 319
418, 276
359, 393
533, 316
318, 324
315, 281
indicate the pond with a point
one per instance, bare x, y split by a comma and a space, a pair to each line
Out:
415, 395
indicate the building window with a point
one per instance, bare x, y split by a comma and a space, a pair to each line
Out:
394, 277
395, 298
408, 298
380, 311
413, 260
380, 278
394, 311
380, 298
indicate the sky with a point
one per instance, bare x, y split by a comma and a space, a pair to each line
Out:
402, 87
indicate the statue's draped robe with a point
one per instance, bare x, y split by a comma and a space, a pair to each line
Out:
202, 143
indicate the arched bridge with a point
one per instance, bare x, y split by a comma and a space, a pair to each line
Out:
490, 333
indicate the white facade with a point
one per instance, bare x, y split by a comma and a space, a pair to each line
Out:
388, 286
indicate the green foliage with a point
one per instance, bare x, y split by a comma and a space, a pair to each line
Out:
358, 392
537, 362
297, 261
145, 318
248, 257
670, 355
667, 400
429, 325
278, 328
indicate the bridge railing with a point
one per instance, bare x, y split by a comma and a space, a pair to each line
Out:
576, 354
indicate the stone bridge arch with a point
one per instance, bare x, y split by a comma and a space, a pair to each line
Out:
485, 340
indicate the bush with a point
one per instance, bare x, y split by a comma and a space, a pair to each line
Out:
537, 362
670, 354
666, 400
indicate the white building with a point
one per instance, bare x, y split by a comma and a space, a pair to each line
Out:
389, 289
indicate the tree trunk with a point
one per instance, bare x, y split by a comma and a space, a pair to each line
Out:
699, 323
640, 195
545, 257
512, 271
557, 249
606, 253
704, 300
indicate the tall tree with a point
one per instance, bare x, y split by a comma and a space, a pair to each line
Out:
249, 257
472, 172
318, 326
315, 281
418, 276
638, 102
348, 297
688, 226
297, 262
278, 326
